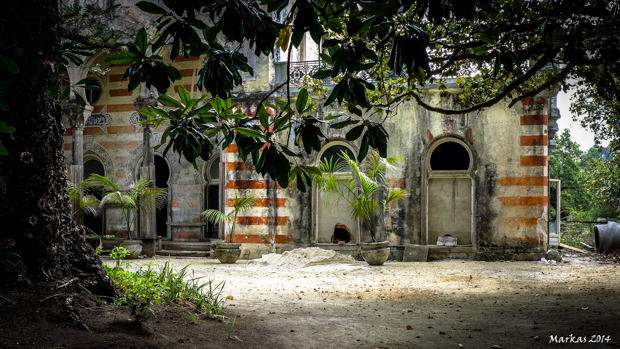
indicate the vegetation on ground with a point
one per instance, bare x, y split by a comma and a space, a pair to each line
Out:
155, 284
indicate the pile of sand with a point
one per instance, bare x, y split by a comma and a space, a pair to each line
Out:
303, 257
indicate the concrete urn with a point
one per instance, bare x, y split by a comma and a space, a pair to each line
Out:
134, 247
227, 252
375, 253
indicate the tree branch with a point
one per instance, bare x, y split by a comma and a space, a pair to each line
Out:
90, 42
540, 64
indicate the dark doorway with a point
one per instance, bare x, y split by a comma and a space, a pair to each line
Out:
212, 196
94, 223
162, 175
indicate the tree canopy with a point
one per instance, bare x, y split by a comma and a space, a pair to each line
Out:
511, 49
495, 50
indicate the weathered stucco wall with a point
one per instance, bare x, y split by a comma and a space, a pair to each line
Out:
509, 173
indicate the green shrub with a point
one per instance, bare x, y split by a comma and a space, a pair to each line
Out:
153, 285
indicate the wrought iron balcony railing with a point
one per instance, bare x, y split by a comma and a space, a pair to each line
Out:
302, 69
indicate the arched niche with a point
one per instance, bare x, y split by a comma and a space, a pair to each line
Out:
93, 165
448, 191
213, 193
328, 213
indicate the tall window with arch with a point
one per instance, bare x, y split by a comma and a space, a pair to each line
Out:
449, 188
94, 223
212, 194
333, 218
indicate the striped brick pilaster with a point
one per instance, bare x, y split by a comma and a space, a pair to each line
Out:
270, 216
523, 196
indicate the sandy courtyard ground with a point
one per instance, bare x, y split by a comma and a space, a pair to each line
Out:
446, 304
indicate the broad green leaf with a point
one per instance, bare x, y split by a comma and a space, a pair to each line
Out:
185, 96
169, 101
122, 58
10, 64
332, 117
248, 132
263, 116
302, 99
151, 8
83, 81
355, 133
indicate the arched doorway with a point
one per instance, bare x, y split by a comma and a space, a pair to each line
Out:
449, 208
162, 176
212, 195
94, 223
329, 213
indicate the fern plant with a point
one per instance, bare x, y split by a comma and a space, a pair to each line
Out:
240, 205
140, 196
366, 191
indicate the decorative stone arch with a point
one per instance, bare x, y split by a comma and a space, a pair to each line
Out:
322, 228
336, 142
133, 167
94, 151
458, 203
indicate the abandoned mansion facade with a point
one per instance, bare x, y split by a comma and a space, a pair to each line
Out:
481, 177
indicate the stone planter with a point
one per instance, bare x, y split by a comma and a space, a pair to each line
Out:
375, 253
134, 247
109, 244
227, 252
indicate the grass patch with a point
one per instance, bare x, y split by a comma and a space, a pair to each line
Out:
153, 284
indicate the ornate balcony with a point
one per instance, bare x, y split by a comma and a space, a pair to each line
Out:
299, 70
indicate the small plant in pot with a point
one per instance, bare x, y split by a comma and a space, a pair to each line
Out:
366, 193
229, 252
140, 196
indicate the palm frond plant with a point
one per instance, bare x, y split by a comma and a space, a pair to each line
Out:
240, 205
82, 201
365, 190
140, 196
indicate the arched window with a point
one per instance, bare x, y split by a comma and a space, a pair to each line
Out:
328, 214
333, 154
92, 96
95, 223
212, 194
450, 156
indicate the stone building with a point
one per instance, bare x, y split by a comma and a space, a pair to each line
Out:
481, 177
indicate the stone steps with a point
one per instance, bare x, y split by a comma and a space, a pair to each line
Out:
186, 246
181, 253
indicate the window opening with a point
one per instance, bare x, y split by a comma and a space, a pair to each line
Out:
450, 156
334, 154
162, 174
212, 197
92, 96
94, 223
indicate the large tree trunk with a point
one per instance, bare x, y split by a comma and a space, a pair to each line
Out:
35, 212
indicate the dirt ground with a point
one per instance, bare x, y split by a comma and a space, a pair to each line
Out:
445, 304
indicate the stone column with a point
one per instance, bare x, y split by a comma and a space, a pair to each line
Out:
77, 119
148, 229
